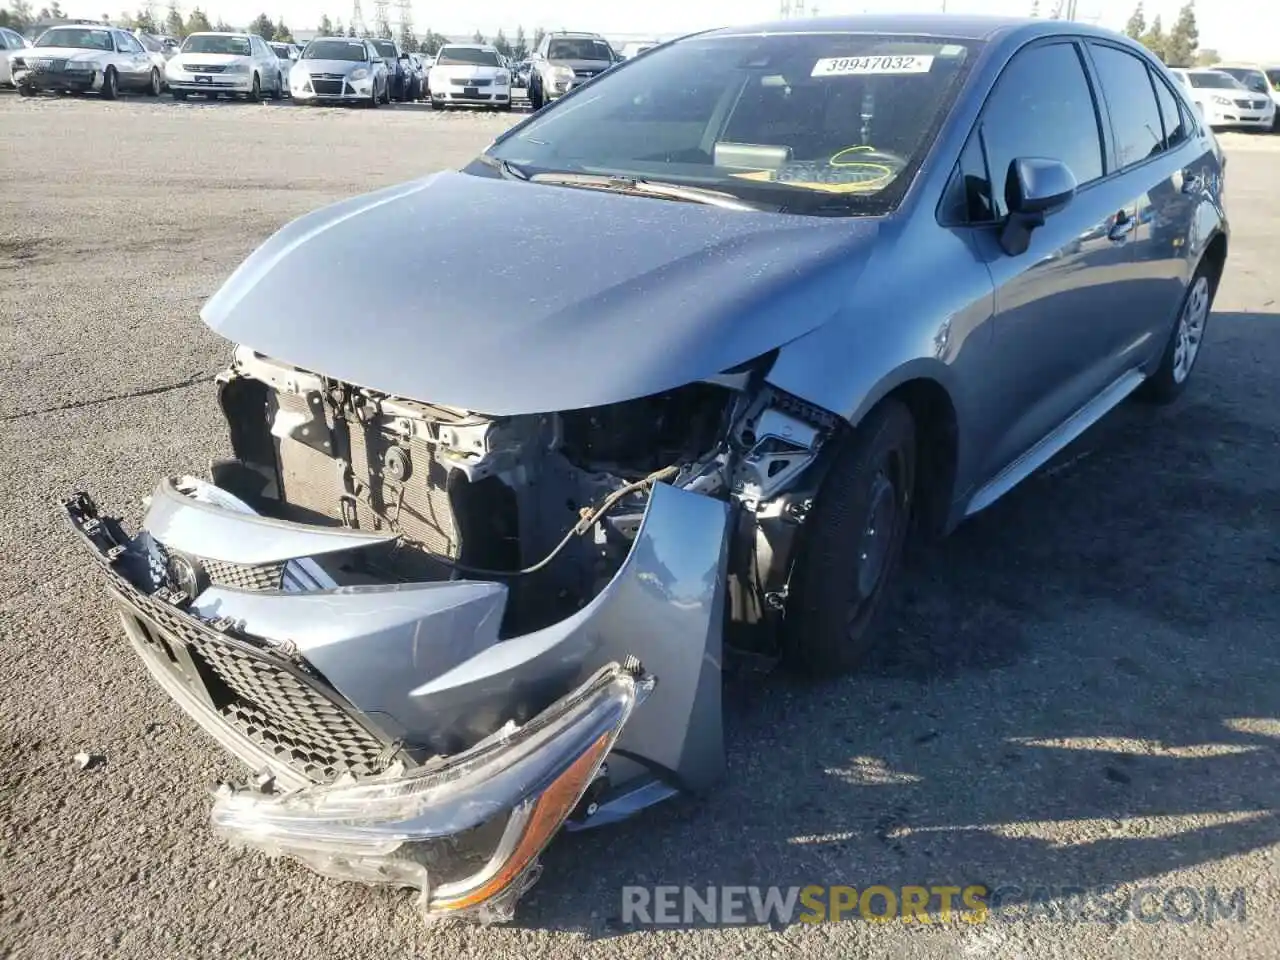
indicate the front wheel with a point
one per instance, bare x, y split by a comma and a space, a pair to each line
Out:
535, 98
255, 93
853, 544
26, 90
278, 92
1183, 348
110, 84
153, 85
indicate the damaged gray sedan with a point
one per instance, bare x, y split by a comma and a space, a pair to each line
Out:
786, 295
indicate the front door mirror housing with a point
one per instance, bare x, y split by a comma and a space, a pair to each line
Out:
1035, 188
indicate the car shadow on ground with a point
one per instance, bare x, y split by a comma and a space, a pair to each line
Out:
1083, 689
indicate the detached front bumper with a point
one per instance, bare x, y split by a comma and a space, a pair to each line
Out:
79, 81
415, 746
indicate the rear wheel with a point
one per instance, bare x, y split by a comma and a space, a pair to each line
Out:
110, 84
853, 545
1183, 348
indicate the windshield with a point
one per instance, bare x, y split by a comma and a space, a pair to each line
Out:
471, 56
207, 43
1215, 80
151, 43
763, 118
1253, 79
75, 37
280, 50
385, 47
334, 50
579, 48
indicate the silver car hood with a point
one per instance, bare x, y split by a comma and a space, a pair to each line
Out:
507, 297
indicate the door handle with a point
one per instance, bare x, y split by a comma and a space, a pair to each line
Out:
1122, 229
1193, 184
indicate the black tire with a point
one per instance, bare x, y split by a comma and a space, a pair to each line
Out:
278, 92
1170, 378
853, 545
26, 90
505, 107
535, 98
255, 94
110, 84
372, 102
153, 85
178, 94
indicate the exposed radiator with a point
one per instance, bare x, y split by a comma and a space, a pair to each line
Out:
310, 480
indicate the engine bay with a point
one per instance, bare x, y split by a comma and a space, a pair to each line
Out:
547, 503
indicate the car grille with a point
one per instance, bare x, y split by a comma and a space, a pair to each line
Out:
309, 480
241, 576
206, 68
47, 65
327, 84
471, 83
585, 74
276, 706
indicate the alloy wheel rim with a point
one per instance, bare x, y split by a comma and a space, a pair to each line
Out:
1190, 333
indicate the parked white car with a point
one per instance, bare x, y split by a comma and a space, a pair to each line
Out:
10, 40
1258, 78
239, 64
1224, 101
635, 48
85, 57
469, 74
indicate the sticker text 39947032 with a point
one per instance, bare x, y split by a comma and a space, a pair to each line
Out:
847, 66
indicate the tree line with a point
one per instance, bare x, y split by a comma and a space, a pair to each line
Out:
1177, 47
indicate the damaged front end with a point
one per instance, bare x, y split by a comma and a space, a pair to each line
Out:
438, 636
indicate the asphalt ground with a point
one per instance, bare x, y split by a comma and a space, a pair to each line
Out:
1084, 688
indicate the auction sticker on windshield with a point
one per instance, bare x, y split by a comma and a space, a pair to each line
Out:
847, 66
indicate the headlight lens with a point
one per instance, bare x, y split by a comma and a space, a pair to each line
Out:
81, 65
561, 73
359, 73
238, 66
497, 805
1224, 101
501, 79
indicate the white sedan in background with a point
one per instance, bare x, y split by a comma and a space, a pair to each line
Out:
239, 64
1226, 102
470, 74
81, 58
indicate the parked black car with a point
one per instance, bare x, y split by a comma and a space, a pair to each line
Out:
403, 82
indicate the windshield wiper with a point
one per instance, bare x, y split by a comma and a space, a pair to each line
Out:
646, 188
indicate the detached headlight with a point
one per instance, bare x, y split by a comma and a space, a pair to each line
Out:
467, 831
1222, 101
360, 73
81, 66
502, 79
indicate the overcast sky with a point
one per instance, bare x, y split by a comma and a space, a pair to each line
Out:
1236, 28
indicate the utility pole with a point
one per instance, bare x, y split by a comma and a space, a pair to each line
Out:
357, 19
381, 18
404, 10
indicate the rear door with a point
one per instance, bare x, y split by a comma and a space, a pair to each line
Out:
1057, 337
133, 62
1152, 166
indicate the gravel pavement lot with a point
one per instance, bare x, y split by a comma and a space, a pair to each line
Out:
1085, 688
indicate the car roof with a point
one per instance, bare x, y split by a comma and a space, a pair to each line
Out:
217, 33
469, 46
951, 25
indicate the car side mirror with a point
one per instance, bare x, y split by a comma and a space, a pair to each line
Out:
1035, 188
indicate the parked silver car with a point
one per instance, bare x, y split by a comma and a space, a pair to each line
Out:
797, 297
84, 58
287, 54
10, 40
340, 69
237, 64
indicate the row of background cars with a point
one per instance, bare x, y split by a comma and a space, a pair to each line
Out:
79, 57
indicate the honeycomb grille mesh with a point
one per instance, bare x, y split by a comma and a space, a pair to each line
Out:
240, 576
264, 701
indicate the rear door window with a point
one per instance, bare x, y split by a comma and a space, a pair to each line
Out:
1042, 106
1131, 101
1176, 125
